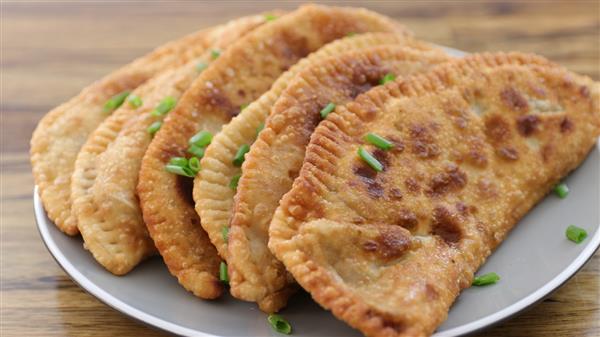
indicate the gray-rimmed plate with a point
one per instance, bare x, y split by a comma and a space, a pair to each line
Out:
533, 261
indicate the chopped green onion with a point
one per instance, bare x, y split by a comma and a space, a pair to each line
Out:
270, 17
378, 141
180, 170
115, 101
327, 110
215, 53
260, 128
135, 101
179, 161
350, 34
243, 106
561, 190
164, 106
238, 160
196, 150
200, 66
194, 164
484, 280
233, 183
201, 139
369, 159
576, 234
223, 276
279, 324
225, 233
154, 127
387, 78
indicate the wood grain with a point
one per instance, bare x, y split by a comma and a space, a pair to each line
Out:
50, 50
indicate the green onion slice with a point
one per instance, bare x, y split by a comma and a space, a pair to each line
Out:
154, 127
225, 233
115, 101
561, 190
200, 66
270, 17
378, 141
196, 151
179, 161
194, 164
223, 276
215, 53
164, 106
576, 234
135, 101
327, 110
201, 139
486, 279
180, 170
279, 324
387, 78
369, 159
238, 160
233, 184
260, 128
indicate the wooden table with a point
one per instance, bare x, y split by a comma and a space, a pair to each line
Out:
52, 50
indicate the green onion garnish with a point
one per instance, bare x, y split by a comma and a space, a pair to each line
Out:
223, 273
270, 17
233, 183
201, 139
576, 234
154, 127
215, 53
238, 160
279, 324
561, 190
200, 66
164, 106
387, 78
179, 161
225, 233
194, 164
135, 101
378, 141
196, 150
260, 128
485, 279
180, 170
369, 159
327, 109
244, 106
115, 101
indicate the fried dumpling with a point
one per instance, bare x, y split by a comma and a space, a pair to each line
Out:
386, 234
275, 158
238, 76
106, 170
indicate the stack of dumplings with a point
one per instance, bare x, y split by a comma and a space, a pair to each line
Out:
324, 148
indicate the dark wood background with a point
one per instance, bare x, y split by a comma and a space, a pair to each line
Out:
50, 50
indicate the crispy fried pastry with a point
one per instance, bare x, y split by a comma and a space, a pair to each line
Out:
61, 133
239, 76
276, 157
476, 143
106, 171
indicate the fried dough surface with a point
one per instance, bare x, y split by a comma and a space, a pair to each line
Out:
59, 136
240, 75
276, 157
106, 171
477, 142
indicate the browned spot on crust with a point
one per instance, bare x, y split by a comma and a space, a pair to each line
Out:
169, 151
290, 48
584, 91
217, 99
508, 153
423, 143
446, 225
527, 125
407, 219
375, 189
476, 156
430, 292
383, 157
486, 187
451, 180
566, 125
497, 129
462, 208
365, 171
547, 151
391, 243
395, 194
514, 100
412, 185
398, 144
241, 93
368, 176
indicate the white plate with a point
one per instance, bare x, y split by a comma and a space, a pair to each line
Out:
533, 261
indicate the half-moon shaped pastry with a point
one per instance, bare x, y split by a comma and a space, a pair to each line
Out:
386, 234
